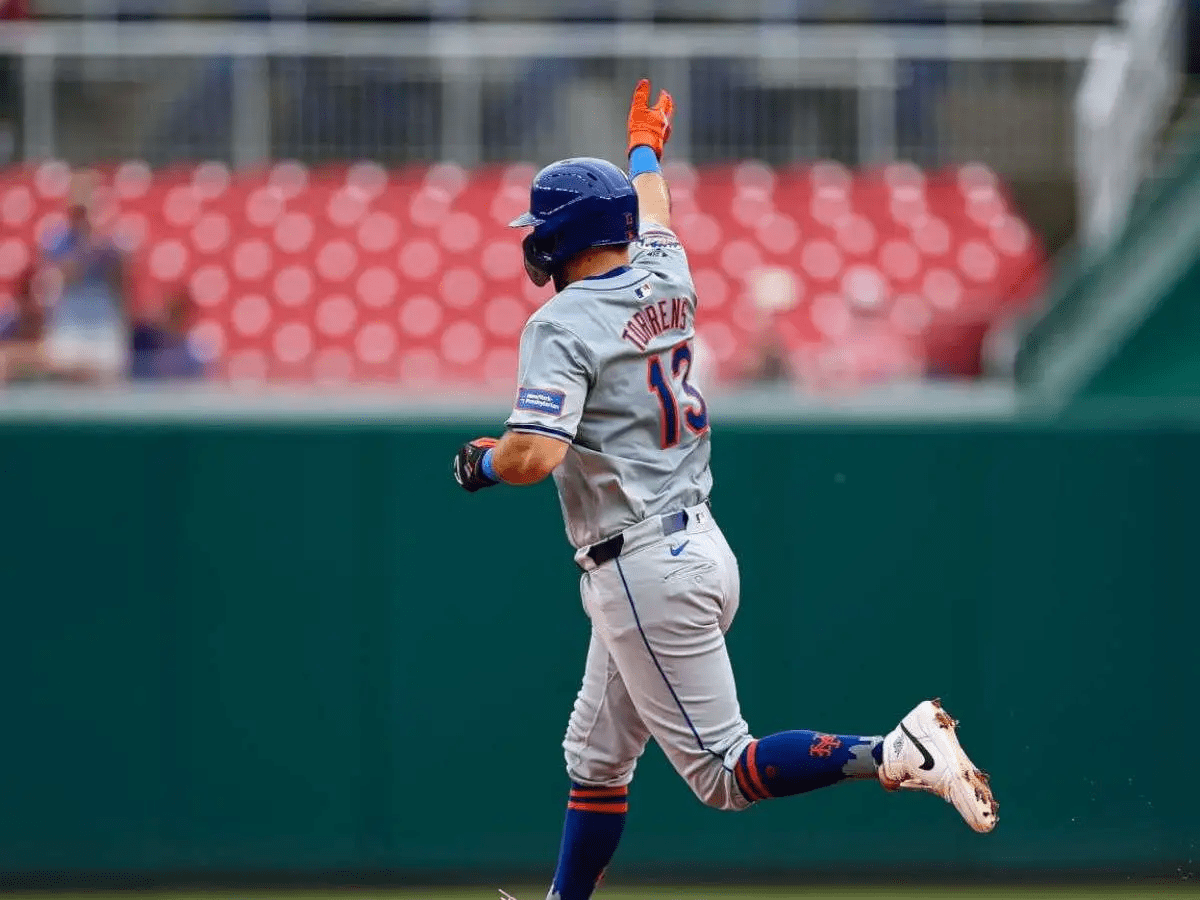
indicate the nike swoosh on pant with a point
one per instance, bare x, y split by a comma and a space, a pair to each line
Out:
928, 763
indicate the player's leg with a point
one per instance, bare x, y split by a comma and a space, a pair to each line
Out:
794, 762
605, 738
921, 753
664, 622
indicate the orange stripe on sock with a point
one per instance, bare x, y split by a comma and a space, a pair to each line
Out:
752, 770
600, 792
740, 774
599, 807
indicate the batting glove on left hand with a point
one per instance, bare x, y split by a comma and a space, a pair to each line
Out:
650, 126
468, 464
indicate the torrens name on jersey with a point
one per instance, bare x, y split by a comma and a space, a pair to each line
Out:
656, 318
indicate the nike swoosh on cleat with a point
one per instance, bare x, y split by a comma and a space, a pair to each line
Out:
928, 763
675, 551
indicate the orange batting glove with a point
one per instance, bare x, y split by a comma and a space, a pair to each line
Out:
650, 126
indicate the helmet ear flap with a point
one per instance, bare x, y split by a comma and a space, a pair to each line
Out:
537, 261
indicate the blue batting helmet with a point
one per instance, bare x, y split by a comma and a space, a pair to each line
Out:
576, 204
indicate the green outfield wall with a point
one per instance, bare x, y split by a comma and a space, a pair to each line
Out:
1161, 357
299, 648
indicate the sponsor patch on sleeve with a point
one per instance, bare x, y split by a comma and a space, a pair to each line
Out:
541, 400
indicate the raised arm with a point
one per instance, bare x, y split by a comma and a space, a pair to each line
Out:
649, 131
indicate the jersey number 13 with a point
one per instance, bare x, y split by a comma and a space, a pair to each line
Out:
693, 409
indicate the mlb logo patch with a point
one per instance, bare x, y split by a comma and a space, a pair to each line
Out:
541, 400
642, 291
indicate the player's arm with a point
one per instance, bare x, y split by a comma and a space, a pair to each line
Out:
649, 131
654, 201
522, 458
517, 458
555, 373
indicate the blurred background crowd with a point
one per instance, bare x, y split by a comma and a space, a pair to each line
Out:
316, 192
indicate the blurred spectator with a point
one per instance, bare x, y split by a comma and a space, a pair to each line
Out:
772, 292
768, 362
25, 321
955, 350
860, 347
86, 331
21, 332
160, 347
10, 85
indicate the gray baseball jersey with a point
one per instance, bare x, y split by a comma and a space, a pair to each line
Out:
604, 365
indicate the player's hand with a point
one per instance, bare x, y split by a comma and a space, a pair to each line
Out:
650, 126
468, 464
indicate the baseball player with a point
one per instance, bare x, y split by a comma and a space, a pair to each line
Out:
606, 405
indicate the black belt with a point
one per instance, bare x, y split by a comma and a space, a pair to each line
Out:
607, 551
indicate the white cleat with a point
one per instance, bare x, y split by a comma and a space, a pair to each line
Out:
923, 754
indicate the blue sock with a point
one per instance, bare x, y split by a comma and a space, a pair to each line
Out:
595, 820
793, 762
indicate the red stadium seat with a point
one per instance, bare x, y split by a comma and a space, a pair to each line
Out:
356, 272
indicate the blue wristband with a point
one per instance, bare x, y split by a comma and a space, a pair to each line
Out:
485, 465
641, 160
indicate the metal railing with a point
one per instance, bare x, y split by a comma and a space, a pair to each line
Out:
485, 92
1080, 11
1132, 81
